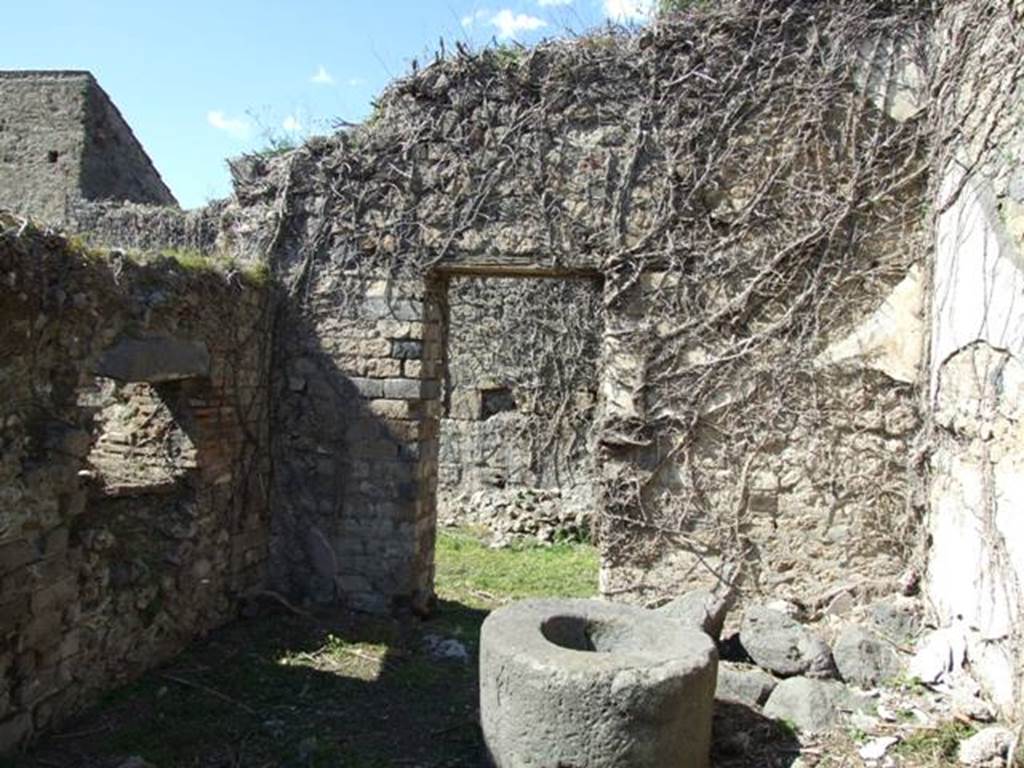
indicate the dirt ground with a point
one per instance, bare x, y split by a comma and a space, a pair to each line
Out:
287, 688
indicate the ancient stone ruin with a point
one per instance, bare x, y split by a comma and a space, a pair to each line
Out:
787, 239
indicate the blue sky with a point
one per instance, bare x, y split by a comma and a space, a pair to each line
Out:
203, 81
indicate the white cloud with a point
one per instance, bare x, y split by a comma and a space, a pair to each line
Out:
237, 127
511, 24
292, 124
629, 10
322, 77
553, 3
474, 18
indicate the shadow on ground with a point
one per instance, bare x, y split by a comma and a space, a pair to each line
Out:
285, 689
290, 689
744, 738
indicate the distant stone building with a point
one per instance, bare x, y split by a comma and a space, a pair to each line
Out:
63, 140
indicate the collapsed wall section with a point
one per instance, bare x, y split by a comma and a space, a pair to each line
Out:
133, 467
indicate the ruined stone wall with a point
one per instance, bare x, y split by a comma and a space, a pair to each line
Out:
133, 467
821, 502
737, 432
976, 392
520, 388
61, 140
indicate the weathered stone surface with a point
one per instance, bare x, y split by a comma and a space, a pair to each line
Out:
892, 339
744, 683
781, 644
986, 749
897, 619
587, 683
154, 360
863, 658
700, 609
121, 502
811, 705
64, 140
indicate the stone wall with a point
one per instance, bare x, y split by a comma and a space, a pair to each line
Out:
772, 442
520, 389
976, 525
824, 502
133, 467
61, 140
356, 442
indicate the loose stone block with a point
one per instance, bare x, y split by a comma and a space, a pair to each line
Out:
783, 645
865, 659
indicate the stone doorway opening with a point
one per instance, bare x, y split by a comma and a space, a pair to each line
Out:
518, 398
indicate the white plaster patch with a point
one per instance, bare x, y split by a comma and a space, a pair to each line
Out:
978, 290
891, 339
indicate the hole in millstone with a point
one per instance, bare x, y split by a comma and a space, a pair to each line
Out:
578, 633
52, 156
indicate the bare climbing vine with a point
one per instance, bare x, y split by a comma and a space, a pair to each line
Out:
750, 180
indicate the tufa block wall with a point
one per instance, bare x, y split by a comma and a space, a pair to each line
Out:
356, 443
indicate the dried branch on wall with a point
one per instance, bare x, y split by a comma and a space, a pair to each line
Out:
738, 178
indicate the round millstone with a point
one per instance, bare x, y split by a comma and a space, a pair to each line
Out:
578, 683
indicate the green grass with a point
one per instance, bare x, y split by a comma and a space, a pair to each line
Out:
197, 261
470, 572
935, 746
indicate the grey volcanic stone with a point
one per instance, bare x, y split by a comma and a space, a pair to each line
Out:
811, 705
863, 658
589, 683
154, 360
898, 619
700, 609
744, 683
783, 645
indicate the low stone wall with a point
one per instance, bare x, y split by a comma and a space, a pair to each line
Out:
133, 467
